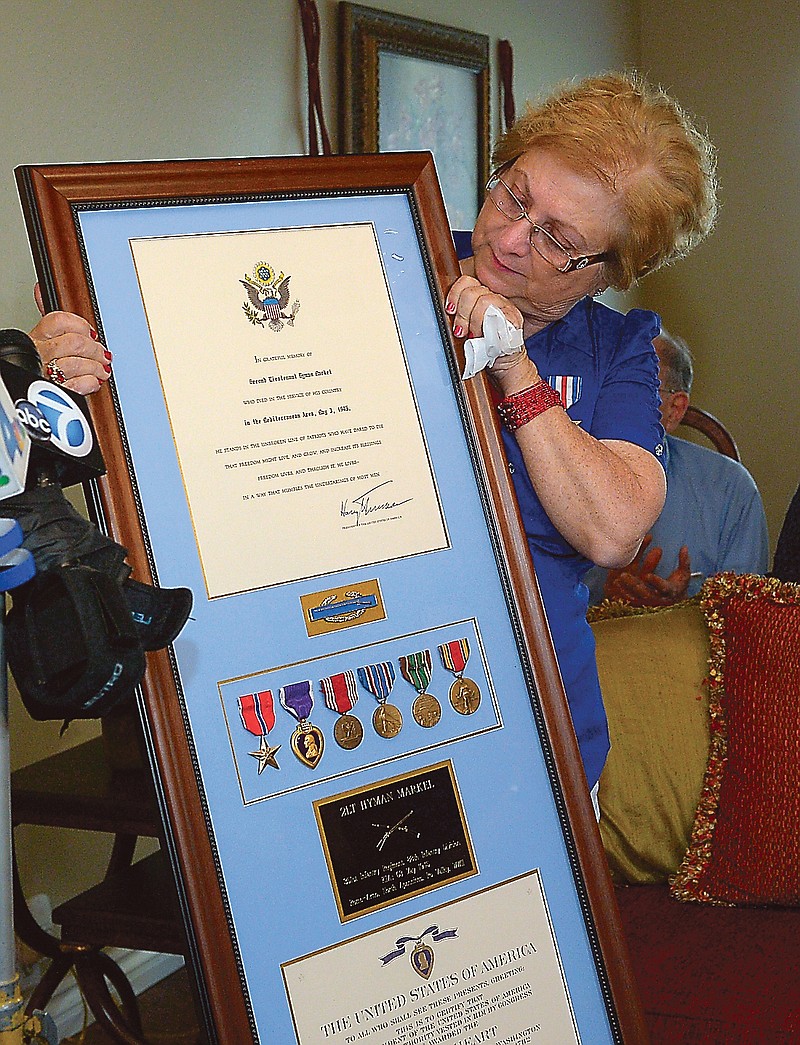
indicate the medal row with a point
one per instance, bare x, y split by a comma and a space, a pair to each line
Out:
340, 692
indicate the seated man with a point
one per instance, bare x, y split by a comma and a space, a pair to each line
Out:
713, 519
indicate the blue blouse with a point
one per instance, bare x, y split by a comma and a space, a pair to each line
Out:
605, 367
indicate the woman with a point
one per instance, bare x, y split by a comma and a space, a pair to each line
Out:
601, 184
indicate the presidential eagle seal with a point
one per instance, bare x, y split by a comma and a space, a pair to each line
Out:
268, 298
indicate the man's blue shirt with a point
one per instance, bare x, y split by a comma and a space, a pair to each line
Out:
713, 507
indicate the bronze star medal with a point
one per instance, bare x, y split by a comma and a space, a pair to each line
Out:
265, 755
257, 713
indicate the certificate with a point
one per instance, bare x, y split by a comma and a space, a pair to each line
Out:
482, 969
375, 808
307, 411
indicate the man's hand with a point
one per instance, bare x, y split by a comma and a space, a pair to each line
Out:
71, 354
640, 586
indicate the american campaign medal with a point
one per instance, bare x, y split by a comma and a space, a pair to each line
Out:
307, 740
378, 680
464, 693
257, 713
416, 669
341, 695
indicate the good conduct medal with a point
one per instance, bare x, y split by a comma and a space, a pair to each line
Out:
464, 693
307, 740
378, 680
416, 669
341, 695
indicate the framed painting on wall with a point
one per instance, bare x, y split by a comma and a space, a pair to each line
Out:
372, 798
408, 84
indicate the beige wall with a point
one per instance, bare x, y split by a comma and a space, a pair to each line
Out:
110, 80
737, 300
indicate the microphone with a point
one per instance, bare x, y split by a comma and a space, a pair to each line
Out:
83, 586
18, 348
64, 447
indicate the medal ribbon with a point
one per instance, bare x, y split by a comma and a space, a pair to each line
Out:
455, 655
257, 712
416, 668
297, 699
436, 934
340, 691
377, 679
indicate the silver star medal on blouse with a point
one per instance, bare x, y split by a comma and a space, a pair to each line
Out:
416, 669
257, 713
464, 693
378, 680
341, 695
307, 741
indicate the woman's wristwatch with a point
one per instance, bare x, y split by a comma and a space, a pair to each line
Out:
518, 409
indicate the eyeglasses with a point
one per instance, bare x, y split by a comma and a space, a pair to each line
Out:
545, 245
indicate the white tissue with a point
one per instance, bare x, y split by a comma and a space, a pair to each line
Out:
500, 338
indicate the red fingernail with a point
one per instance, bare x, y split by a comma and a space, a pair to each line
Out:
458, 330
107, 368
450, 307
93, 334
107, 354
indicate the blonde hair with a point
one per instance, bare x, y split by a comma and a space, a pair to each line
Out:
640, 143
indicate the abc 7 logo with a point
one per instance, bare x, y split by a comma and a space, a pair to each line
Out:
49, 415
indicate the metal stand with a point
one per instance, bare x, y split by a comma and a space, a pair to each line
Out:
16, 567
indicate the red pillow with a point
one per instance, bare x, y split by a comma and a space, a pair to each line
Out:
745, 846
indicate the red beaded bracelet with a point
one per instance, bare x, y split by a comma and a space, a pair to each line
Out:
518, 409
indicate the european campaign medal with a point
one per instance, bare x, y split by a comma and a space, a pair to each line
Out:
464, 693
341, 695
416, 669
378, 680
307, 740
257, 713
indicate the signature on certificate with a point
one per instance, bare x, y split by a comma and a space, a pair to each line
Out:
366, 504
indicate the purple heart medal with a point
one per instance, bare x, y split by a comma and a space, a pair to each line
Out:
307, 740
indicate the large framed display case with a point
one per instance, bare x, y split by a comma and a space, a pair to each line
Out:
374, 801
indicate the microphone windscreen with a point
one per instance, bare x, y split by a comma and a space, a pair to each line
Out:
18, 348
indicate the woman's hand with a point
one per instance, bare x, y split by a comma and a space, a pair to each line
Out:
467, 302
70, 352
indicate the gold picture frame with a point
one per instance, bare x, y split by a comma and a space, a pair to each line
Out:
408, 84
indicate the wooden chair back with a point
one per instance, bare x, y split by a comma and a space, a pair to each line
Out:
713, 429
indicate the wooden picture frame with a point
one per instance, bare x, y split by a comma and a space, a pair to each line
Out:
264, 873
408, 84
